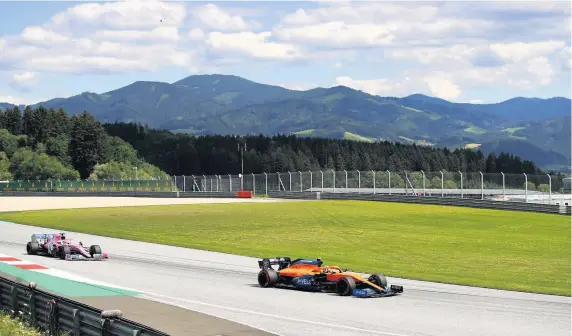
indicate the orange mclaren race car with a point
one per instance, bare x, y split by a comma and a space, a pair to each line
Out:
306, 274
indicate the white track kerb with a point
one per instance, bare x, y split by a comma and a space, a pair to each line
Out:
225, 286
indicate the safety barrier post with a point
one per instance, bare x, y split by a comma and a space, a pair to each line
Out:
334, 174
346, 180
322, 176
389, 180
525, 188
299, 172
373, 171
290, 182
359, 182
311, 182
423, 173
461, 184
266, 183
503, 188
253, 184
482, 186
549, 189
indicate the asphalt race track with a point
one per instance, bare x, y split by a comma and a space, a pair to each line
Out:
225, 286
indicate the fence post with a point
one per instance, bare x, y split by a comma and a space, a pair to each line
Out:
194, 182
253, 184
299, 172
482, 186
442, 184
525, 188
311, 182
346, 180
359, 182
217, 177
290, 182
230, 182
549, 189
204, 184
406, 185
211, 183
175, 187
461, 184
322, 176
373, 181
503, 189
266, 183
389, 180
334, 174
423, 173
184, 183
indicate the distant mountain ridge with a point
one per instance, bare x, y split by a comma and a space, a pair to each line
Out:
225, 104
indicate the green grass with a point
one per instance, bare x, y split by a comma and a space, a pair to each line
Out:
356, 137
489, 248
15, 327
475, 130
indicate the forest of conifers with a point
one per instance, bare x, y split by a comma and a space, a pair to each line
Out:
40, 143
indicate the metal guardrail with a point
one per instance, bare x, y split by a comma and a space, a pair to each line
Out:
55, 314
473, 203
153, 194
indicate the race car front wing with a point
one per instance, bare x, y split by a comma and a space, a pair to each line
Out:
370, 292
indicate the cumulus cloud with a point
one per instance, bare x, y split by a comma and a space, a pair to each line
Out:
253, 44
109, 37
218, 19
23, 81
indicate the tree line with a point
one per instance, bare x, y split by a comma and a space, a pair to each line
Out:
182, 154
40, 144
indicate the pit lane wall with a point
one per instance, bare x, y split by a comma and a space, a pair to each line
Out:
473, 203
50, 312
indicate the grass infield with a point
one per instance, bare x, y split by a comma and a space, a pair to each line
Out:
487, 248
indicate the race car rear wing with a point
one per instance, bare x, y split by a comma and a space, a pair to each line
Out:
282, 262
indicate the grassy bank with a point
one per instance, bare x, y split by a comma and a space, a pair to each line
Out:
13, 327
489, 248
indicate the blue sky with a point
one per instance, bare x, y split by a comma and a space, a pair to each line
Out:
483, 51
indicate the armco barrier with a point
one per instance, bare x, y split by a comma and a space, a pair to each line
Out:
56, 314
473, 203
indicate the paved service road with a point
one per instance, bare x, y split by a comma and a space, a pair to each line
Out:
225, 286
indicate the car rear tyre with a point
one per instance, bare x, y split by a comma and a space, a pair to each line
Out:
267, 278
345, 286
378, 279
32, 248
63, 251
94, 249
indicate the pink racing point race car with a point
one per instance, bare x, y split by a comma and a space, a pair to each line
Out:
58, 246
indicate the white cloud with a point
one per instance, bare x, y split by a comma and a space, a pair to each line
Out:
216, 18
23, 81
253, 45
39, 35
196, 34
442, 88
124, 14
163, 33
520, 51
108, 37
16, 100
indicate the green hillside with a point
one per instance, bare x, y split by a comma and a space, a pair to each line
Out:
221, 104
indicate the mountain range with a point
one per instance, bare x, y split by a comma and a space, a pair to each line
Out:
532, 128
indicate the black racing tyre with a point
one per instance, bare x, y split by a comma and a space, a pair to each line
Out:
63, 250
378, 279
94, 249
32, 247
267, 278
345, 286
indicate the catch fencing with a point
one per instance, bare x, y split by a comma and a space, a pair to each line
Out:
542, 189
54, 314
